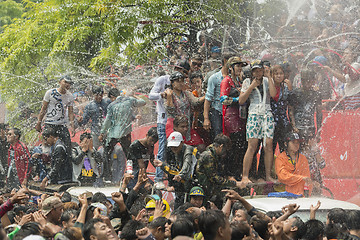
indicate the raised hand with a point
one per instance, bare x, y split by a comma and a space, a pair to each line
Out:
231, 194
158, 209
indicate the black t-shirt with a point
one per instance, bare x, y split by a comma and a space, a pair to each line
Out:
138, 151
305, 104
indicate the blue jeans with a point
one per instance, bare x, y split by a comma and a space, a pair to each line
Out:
162, 146
216, 120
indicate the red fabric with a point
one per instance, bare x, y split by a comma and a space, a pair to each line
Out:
21, 159
225, 87
276, 98
195, 139
231, 117
5, 207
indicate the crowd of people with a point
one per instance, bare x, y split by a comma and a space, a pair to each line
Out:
216, 110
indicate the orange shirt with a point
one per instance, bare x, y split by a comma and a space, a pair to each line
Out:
291, 173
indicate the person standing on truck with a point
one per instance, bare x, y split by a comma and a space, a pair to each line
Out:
56, 107
117, 127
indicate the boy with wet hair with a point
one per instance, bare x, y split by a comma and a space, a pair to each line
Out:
61, 167
314, 230
353, 222
336, 215
141, 152
214, 225
157, 227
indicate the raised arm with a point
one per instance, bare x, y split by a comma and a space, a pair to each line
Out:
247, 89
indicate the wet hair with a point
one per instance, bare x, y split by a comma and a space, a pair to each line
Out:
136, 207
274, 214
181, 212
260, 225
29, 228
210, 221
85, 135
20, 208
353, 220
48, 132
185, 206
153, 133
97, 90
237, 206
275, 68
314, 230
182, 227
72, 233
337, 215
99, 197
196, 74
158, 222
71, 205
113, 92
222, 139
335, 231
239, 229
129, 230
226, 56
17, 132
89, 228
180, 119
300, 226
66, 197
67, 215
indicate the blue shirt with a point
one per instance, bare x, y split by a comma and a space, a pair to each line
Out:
213, 91
96, 111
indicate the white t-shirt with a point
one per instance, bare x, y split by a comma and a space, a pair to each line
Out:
58, 104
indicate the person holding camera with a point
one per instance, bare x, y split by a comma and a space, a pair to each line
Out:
260, 121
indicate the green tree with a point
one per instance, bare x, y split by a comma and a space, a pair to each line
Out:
54, 37
9, 10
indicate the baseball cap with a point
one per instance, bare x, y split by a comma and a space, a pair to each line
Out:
235, 60
175, 139
50, 203
215, 49
256, 64
197, 191
293, 136
175, 76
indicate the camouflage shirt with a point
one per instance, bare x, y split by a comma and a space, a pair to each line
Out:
208, 172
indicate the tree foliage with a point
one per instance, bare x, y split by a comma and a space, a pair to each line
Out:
55, 37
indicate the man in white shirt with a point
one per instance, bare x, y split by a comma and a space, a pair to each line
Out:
57, 105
